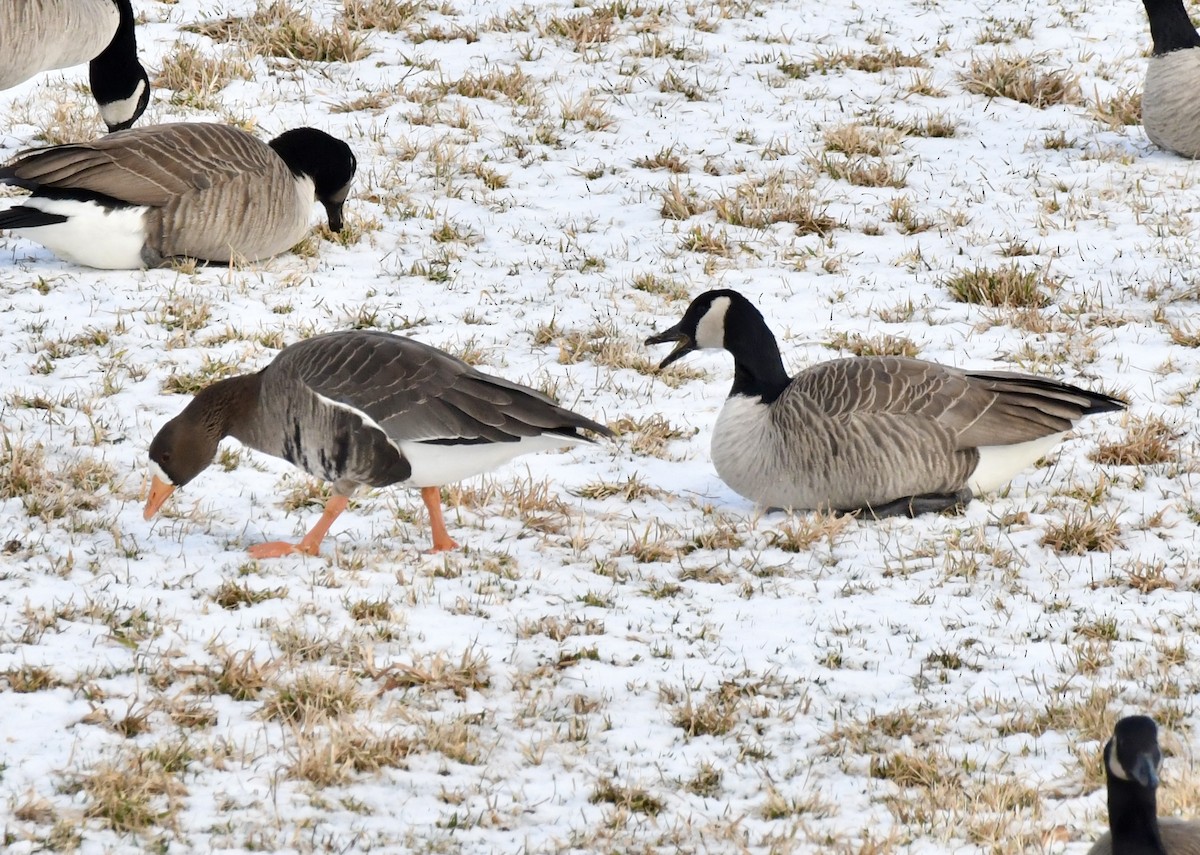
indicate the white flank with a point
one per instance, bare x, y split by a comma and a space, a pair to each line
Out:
93, 235
1170, 108
120, 112
999, 463
435, 465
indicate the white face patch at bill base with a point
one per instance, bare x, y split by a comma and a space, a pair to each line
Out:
710, 332
157, 472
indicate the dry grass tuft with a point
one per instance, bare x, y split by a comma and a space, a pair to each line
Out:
438, 673
629, 798
878, 345
1083, 531
333, 759
130, 794
1008, 286
391, 16
870, 61
776, 199
1021, 79
277, 29
196, 77
1147, 441
313, 697
583, 31
799, 533
1122, 109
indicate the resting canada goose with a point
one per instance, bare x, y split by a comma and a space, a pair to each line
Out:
41, 35
364, 408
141, 197
1170, 109
1131, 762
883, 435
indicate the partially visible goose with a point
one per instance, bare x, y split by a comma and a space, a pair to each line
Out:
1170, 108
364, 408
141, 197
1131, 762
41, 35
883, 435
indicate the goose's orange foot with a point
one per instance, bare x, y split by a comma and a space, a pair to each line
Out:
274, 549
442, 545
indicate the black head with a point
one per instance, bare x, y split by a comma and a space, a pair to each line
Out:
1133, 753
325, 159
715, 319
118, 80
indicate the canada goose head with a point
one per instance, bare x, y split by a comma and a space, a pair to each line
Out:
187, 444
325, 159
1133, 754
119, 82
706, 324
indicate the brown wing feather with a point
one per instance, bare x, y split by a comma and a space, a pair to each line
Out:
977, 408
145, 166
419, 393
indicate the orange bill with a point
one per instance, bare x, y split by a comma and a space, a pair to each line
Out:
160, 491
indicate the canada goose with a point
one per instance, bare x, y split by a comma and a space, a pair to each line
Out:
139, 198
1170, 110
1131, 762
364, 408
41, 35
883, 435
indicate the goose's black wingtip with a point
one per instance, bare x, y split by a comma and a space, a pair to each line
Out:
1101, 403
24, 217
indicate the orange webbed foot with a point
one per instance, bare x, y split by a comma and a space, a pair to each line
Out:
441, 545
274, 549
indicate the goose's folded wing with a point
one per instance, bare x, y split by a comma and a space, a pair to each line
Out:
418, 393
978, 408
144, 166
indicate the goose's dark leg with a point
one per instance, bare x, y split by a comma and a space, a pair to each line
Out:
442, 541
926, 503
311, 544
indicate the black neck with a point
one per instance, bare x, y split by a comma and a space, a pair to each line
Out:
1170, 27
757, 366
1133, 818
115, 72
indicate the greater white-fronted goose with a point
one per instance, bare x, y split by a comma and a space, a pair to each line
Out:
364, 408
1131, 762
41, 35
141, 197
1170, 108
883, 435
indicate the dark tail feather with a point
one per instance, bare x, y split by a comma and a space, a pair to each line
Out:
22, 217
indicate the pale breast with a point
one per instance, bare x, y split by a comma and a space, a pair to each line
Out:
790, 454
1170, 108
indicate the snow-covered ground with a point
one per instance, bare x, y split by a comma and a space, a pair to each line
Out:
625, 655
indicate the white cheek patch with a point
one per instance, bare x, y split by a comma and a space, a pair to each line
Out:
1114, 765
119, 112
710, 332
157, 472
